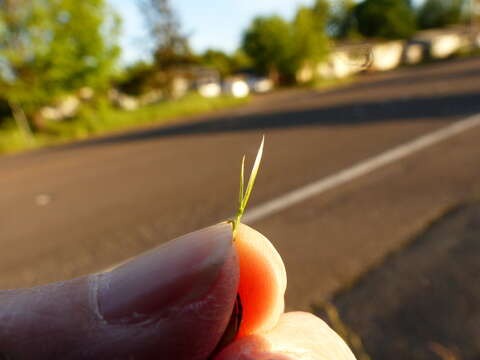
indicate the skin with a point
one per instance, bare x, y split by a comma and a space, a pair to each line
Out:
173, 302
263, 281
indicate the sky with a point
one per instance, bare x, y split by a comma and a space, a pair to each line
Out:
210, 23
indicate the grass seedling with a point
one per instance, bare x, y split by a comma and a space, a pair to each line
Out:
244, 195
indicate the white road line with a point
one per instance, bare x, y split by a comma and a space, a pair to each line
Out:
294, 197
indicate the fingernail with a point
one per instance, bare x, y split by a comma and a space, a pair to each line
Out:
176, 273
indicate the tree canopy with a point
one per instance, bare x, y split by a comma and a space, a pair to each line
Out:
171, 48
341, 22
309, 31
279, 48
171, 45
389, 19
440, 13
219, 60
269, 43
48, 48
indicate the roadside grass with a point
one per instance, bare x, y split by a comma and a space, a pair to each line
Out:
101, 118
12, 139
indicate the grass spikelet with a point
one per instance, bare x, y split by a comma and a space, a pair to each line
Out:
244, 194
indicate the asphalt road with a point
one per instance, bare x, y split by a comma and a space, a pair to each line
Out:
427, 298
74, 209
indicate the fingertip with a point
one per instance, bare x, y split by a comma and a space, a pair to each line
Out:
248, 235
263, 281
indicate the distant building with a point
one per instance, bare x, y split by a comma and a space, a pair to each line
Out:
414, 53
385, 55
442, 43
180, 85
207, 81
344, 60
347, 59
204, 75
178, 81
259, 84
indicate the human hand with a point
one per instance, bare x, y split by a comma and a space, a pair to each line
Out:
173, 302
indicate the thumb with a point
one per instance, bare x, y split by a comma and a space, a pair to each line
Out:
173, 302
297, 336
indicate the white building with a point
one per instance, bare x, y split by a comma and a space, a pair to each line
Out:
344, 60
442, 43
414, 53
386, 55
348, 59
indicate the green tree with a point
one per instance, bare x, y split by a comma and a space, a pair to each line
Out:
171, 49
310, 41
240, 60
440, 13
389, 19
342, 23
218, 60
135, 79
269, 43
48, 48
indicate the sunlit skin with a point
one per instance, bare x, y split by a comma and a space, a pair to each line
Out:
263, 281
173, 302
296, 336
266, 332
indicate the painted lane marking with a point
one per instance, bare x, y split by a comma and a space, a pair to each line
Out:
317, 187
291, 198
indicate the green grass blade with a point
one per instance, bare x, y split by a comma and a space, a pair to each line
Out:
253, 174
243, 197
242, 180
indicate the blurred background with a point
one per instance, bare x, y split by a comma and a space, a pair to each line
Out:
123, 123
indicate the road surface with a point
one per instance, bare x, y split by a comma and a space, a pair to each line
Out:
427, 298
75, 209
